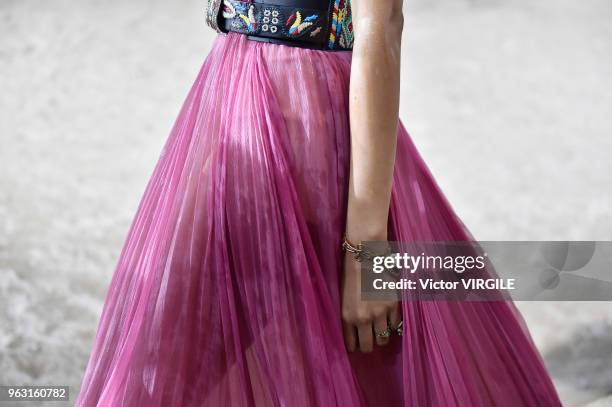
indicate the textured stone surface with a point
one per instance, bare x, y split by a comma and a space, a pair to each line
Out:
509, 101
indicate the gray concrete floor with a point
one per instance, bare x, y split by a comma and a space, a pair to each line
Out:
509, 101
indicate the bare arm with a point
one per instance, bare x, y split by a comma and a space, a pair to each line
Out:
374, 111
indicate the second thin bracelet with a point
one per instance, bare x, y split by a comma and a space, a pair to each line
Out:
360, 253
356, 250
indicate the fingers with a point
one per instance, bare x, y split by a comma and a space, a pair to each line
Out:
350, 337
366, 338
381, 331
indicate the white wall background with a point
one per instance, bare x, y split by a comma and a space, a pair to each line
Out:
509, 101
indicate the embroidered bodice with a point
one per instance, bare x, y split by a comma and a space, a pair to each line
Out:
283, 19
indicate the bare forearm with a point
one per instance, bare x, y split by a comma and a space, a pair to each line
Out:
374, 110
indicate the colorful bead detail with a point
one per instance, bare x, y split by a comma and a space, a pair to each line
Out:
240, 11
297, 25
341, 30
266, 20
330, 28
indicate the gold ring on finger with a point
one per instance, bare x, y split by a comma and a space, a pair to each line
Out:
399, 330
384, 334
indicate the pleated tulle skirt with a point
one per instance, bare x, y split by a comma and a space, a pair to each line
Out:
227, 289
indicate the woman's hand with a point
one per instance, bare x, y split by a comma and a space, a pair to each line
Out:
363, 320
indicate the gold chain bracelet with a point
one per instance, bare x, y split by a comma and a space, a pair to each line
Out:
357, 251
360, 253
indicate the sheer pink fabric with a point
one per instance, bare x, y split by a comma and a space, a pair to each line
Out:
227, 289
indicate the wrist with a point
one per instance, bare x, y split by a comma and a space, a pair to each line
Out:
364, 252
363, 232
367, 222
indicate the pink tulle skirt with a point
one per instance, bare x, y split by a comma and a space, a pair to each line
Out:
227, 289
